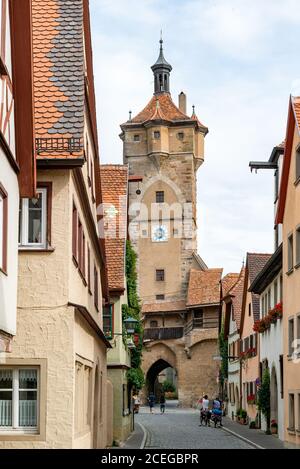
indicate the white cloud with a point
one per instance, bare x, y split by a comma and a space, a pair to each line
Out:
239, 28
236, 61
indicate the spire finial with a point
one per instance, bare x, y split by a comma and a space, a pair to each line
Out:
193, 108
130, 115
161, 70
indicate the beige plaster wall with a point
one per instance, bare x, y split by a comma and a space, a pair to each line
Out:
250, 368
291, 299
49, 333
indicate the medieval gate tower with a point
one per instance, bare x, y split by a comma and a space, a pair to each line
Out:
164, 148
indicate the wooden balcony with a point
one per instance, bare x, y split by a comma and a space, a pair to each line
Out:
163, 333
201, 323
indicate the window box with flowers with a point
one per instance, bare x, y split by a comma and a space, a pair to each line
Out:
251, 399
250, 353
273, 316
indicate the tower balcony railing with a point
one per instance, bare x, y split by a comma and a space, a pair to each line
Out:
163, 333
201, 323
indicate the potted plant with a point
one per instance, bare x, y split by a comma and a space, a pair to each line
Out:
243, 417
274, 427
273, 316
252, 425
238, 415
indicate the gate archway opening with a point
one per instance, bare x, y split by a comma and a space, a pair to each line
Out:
155, 378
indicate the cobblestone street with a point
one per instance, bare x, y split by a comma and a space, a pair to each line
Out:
179, 429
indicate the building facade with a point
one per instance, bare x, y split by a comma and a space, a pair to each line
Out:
268, 285
55, 379
288, 218
164, 148
114, 184
232, 300
250, 346
16, 152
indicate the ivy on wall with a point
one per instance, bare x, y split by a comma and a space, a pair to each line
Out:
223, 347
135, 375
264, 397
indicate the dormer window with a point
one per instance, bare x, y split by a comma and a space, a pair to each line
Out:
137, 138
157, 134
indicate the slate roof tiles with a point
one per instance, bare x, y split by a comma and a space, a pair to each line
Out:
58, 67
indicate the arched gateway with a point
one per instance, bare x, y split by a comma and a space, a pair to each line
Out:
195, 368
163, 146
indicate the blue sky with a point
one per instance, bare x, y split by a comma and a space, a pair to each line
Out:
237, 61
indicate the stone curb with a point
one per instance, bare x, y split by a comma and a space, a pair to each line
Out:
145, 437
255, 445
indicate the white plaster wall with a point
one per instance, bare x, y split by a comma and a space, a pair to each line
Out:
233, 368
8, 283
271, 347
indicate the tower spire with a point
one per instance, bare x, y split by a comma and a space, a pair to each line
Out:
161, 70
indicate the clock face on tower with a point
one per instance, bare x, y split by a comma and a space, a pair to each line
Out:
159, 234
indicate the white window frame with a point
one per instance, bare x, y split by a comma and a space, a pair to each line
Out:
25, 221
15, 428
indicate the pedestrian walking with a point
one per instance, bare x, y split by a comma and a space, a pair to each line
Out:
137, 403
151, 400
162, 402
205, 413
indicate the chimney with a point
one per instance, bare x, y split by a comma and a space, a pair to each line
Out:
182, 102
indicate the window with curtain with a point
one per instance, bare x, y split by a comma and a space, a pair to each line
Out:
18, 398
33, 220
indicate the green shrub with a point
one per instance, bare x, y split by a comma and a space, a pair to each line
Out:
168, 387
136, 379
264, 397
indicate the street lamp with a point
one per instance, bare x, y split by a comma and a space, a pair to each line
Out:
130, 325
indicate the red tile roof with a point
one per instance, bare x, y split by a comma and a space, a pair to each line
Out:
114, 185
161, 107
167, 108
204, 287
58, 68
228, 283
164, 307
255, 264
